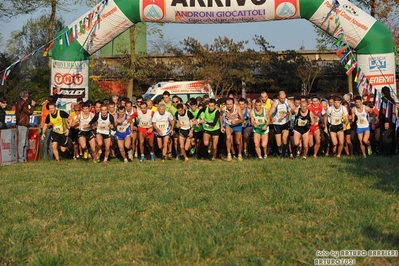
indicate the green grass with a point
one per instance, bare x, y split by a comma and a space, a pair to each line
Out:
269, 212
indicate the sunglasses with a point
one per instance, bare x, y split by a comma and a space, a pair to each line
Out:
176, 102
4, 102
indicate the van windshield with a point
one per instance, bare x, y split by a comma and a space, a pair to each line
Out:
148, 96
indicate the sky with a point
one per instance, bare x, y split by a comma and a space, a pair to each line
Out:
283, 35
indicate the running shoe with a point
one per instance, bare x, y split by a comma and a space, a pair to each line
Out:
369, 150
185, 159
152, 157
229, 157
130, 155
85, 155
240, 157
142, 158
125, 160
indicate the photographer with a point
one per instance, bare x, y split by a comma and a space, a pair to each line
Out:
23, 111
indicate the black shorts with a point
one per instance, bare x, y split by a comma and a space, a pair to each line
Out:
73, 134
347, 132
104, 135
213, 132
291, 134
199, 134
301, 130
89, 135
61, 139
278, 129
184, 132
336, 128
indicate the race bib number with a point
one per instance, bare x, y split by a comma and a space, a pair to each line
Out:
336, 121
144, 124
121, 129
363, 121
162, 126
102, 127
58, 129
260, 120
302, 122
184, 123
282, 114
245, 123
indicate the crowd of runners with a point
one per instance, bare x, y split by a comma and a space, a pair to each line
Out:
204, 128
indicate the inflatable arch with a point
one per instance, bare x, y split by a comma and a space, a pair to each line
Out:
372, 41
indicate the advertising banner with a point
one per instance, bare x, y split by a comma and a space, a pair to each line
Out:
70, 79
8, 145
354, 21
34, 143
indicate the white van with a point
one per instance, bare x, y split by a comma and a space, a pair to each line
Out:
184, 89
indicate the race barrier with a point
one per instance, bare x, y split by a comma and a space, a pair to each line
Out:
9, 146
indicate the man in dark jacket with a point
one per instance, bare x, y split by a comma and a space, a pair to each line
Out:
387, 125
23, 111
3, 106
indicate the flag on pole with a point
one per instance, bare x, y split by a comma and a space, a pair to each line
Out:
357, 74
67, 38
48, 48
72, 35
341, 49
351, 68
82, 30
346, 55
76, 32
338, 42
5, 75
61, 44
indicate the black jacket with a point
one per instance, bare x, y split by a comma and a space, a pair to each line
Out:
2, 118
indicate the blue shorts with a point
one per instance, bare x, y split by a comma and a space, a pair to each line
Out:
121, 136
361, 130
237, 128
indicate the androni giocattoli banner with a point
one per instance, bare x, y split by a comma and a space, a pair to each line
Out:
372, 41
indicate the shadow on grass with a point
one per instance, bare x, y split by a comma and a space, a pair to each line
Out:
377, 236
384, 169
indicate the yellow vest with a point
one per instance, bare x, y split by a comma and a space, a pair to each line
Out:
59, 125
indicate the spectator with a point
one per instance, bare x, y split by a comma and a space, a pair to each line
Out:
3, 106
23, 111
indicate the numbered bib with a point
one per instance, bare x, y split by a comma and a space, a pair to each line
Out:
282, 114
58, 129
121, 128
162, 126
260, 120
363, 121
336, 121
184, 123
245, 123
302, 123
144, 124
102, 127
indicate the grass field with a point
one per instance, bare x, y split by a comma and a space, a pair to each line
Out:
271, 212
